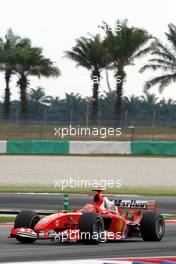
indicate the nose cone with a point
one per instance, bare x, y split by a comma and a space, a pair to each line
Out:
47, 222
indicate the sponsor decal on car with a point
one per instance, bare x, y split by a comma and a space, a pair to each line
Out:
131, 203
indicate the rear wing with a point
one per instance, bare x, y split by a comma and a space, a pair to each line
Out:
136, 204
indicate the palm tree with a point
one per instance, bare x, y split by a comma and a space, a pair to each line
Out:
122, 48
150, 101
89, 53
167, 108
56, 104
1, 48
132, 104
109, 100
31, 62
165, 59
36, 95
7, 48
38, 100
74, 102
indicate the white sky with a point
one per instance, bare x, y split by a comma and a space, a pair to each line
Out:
55, 24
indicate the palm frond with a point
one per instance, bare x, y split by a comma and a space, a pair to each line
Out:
155, 67
171, 35
162, 80
141, 53
163, 51
165, 59
88, 53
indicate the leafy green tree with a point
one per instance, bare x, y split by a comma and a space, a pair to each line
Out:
150, 101
132, 103
56, 104
31, 62
74, 102
108, 101
1, 48
141, 110
123, 47
38, 100
90, 54
164, 58
36, 95
167, 107
7, 59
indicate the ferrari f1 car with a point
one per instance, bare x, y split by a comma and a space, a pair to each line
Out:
101, 221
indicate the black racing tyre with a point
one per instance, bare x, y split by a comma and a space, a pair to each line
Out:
152, 226
91, 228
26, 219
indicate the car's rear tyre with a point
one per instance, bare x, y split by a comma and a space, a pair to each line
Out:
26, 219
91, 227
152, 226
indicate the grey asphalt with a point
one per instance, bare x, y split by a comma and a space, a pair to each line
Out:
11, 250
131, 171
165, 204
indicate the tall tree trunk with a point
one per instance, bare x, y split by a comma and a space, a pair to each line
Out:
95, 97
7, 96
23, 97
120, 78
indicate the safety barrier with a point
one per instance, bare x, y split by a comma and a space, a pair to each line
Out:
3, 147
88, 147
38, 147
153, 147
99, 147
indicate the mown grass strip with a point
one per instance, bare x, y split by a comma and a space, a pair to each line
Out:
6, 219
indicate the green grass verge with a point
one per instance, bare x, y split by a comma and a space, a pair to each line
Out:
52, 189
5, 219
170, 217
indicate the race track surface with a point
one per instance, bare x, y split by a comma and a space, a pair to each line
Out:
131, 171
144, 172
11, 250
165, 204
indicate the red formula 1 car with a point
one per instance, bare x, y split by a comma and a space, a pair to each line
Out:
98, 222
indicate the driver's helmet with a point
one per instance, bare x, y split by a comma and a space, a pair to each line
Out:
109, 205
104, 203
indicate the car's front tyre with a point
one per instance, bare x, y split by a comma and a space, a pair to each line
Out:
91, 227
26, 219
